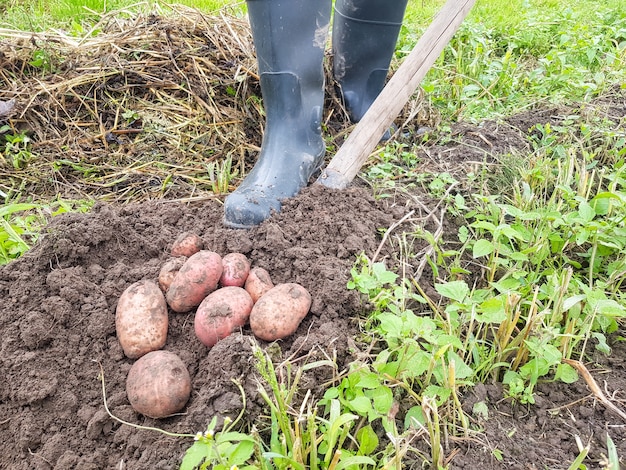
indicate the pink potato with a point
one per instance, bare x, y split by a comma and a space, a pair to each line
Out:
196, 279
169, 270
187, 244
158, 384
222, 312
141, 319
278, 313
258, 283
236, 270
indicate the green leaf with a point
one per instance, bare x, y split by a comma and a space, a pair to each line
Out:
602, 202
492, 310
235, 436
242, 452
382, 399
517, 256
368, 380
488, 226
382, 275
566, 373
610, 307
418, 363
367, 439
391, 324
463, 234
586, 212
414, 417
506, 285
482, 247
282, 460
455, 290
354, 460
441, 394
360, 404
602, 345
612, 454
11, 208
449, 340
480, 410
582, 236
461, 370
572, 301
194, 456
513, 233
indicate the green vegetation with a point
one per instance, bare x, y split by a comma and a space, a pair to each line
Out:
541, 54
533, 279
79, 15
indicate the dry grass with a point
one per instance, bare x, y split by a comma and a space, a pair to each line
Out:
150, 99
137, 108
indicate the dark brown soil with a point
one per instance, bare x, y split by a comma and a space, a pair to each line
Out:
57, 323
58, 310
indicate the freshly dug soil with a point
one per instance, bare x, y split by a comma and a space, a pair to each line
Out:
57, 324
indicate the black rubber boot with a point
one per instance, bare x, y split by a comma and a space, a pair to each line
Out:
365, 33
290, 38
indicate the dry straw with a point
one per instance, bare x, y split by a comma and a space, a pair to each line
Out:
139, 102
138, 107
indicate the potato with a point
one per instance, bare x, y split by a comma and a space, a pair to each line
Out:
236, 270
141, 319
196, 279
222, 312
187, 244
169, 270
279, 311
158, 384
258, 283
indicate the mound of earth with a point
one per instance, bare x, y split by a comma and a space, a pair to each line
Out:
58, 328
58, 323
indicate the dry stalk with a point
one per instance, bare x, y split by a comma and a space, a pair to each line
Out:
595, 388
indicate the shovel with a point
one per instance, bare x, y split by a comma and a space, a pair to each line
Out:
366, 135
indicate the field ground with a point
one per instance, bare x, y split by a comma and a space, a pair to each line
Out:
58, 325
137, 121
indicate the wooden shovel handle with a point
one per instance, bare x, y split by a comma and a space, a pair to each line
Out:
366, 135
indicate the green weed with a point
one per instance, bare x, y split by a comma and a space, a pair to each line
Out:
17, 148
220, 174
545, 54
223, 449
78, 16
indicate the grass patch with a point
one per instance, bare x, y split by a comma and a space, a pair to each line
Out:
77, 15
544, 54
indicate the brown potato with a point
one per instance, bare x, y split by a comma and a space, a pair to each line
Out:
221, 313
187, 244
141, 319
279, 311
196, 279
236, 270
158, 384
258, 283
169, 270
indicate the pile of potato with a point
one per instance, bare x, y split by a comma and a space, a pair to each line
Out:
226, 292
